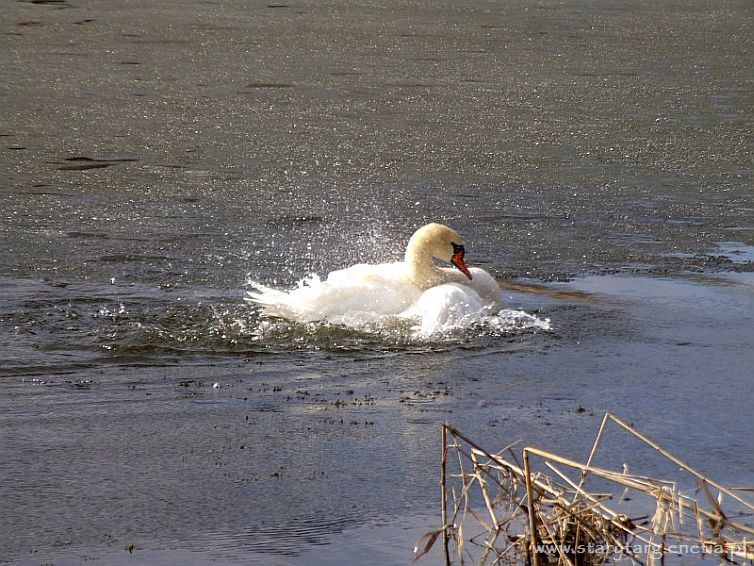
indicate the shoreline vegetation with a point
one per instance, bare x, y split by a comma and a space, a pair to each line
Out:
496, 509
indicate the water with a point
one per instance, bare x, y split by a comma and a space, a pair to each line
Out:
223, 445
156, 158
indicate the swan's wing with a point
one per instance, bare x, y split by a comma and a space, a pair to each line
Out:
277, 303
360, 291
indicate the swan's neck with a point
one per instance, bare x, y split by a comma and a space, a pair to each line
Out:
421, 267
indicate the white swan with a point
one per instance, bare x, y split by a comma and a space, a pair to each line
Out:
417, 289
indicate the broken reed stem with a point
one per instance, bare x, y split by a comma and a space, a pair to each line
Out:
533, 544
483, 485
597, 440
443, 494
678, 461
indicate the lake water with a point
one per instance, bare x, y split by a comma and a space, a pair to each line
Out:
157, 156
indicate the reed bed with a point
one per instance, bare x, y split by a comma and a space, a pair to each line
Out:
497, 509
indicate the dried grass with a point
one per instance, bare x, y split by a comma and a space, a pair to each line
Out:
496, 510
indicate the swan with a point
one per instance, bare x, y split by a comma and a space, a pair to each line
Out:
443, 243
433, 296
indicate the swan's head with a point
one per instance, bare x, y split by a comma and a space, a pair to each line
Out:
440, 242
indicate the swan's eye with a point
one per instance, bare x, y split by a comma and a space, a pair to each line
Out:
457, 248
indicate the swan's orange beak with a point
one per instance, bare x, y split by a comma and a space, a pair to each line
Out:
457, 260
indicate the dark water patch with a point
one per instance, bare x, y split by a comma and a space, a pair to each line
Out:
84, 167
84, 21
29, 23
59, 3
98, 160
87, 163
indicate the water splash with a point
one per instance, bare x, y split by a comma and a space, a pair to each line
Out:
58, 329
365, 300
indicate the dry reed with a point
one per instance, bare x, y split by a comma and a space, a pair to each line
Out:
496, 510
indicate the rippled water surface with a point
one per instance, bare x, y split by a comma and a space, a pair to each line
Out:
156, 156
235, 446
